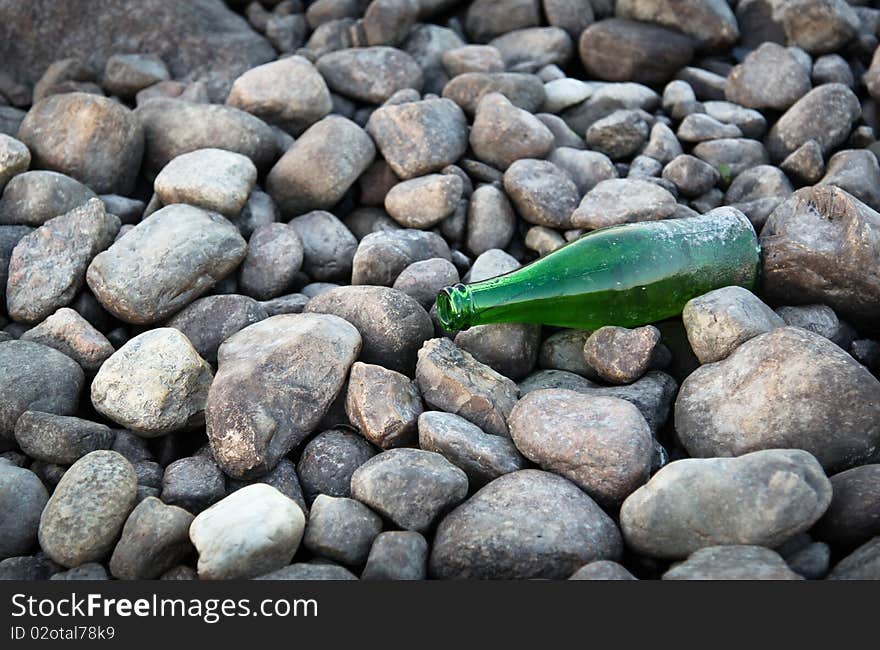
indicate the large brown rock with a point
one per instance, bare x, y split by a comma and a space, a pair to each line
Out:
275, 381
788, 388
198, 40
822, 245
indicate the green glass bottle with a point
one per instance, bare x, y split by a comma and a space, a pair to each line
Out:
626, 275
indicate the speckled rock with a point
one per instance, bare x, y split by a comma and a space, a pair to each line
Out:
697, 503
527, 524
83, 517
328, 461
22, 499
15, 158
275, 380
602, 444
542, 193
213, 179
60, 439
411, 487
48, 266
382, 256
452, 380
154, 384
274, 258
370, 74
392, 324
794, 382
188, 251
155, 538
719, 321
70, 333
385, 405
425, 201
341, 529
34, 377
328, 246
33, 197
193, 483
397, 555
623, 200
503, 133
737, 562
620, 355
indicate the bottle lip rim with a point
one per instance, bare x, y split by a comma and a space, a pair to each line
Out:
455, 307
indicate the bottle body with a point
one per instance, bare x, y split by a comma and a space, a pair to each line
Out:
626, 275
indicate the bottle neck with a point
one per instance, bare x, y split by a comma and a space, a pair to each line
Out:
455, 307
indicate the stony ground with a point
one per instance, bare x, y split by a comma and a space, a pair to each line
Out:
224, 225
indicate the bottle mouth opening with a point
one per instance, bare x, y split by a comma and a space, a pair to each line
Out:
454, 308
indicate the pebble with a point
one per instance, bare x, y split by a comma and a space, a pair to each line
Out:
805, 164
274, 257
22, 499
369, 74
93, 139
720, 321
251, 532
558, 529
825, 115
48, 266
85, 514
423, 280
618, 135
564, 350
154, 384
209, 321
328, 461
735, 562
32, 198
627, 50
818, 26
71, 334
620, 355
691, 176
814, 252
586, 168
710, 24
424, 201
770, 77
411, 487
602, 570
819, 319
783, 372
193, 483
502, 133
328, 246
289, 93
213, 179
173, 127
87, 571
541, 192
275, 381
734, 155
622, 200
155, 539
60, 439
562, 93
762, 498
452, 380
392, 324
382, 256
855, 171
523, 90
492, 263
510, 349
483, 457
383, 404
861, 564
397, 555
341, 529
35, 377
662, 145
321, 166
15, 158
418, 138
854, 514
127, 74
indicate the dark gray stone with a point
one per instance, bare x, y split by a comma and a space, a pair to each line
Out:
328, 461
60, 439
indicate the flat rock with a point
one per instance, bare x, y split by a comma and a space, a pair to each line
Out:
392, 324
452, 380
383, 404
154, 384
483, 457
60, 439
275, 381
48, 266
411, 487
524, 525
602, 444
249, 533
86, 512
188, 251
719, 321
762, 498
